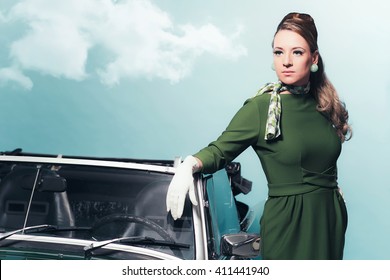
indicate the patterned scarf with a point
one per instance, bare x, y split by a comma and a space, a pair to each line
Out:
272, 130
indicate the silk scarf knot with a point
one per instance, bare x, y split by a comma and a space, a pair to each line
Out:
272, 129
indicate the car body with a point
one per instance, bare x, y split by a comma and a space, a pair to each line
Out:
67, 207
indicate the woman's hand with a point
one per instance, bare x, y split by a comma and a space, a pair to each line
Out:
181, 184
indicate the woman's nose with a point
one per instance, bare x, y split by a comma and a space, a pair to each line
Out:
287, 62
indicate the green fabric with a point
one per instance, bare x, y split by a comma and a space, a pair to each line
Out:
304, 216
275, 108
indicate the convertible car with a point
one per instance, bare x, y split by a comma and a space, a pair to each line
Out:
68, 207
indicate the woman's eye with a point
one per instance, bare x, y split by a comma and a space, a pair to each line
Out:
298, 53
277, 53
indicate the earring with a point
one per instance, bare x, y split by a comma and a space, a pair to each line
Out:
314, 68
273, 66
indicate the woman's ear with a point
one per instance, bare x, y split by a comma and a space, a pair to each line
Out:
315, 56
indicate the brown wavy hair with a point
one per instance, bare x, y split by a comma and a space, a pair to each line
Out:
324, 92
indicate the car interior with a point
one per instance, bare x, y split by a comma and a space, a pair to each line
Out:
107, 202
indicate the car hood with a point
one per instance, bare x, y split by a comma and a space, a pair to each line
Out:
30, 247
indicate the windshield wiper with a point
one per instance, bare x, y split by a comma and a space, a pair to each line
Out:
135, 240
37, 228
42, 228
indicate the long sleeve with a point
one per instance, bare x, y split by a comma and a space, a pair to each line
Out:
242, 132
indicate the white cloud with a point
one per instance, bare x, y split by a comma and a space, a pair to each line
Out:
10, 74
43, 49
141, 39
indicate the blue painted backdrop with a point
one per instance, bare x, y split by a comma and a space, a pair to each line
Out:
159, 79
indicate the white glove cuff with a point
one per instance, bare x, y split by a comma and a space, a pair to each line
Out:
192, 162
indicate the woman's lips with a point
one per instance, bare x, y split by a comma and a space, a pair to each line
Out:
287, 73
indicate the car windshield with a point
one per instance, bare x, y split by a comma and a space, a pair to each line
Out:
100, 203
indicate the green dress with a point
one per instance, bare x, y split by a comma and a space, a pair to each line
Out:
304, 216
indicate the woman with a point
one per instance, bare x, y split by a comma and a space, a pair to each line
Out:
296, 127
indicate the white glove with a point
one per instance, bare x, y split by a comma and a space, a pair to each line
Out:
181, 184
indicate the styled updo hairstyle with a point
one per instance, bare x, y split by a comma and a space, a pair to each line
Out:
324, 92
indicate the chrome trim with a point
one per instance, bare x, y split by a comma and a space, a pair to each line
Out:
199, 223
102, 163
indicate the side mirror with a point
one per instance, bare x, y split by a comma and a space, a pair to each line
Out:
244, 245
238, 183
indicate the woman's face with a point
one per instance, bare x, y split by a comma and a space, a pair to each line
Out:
292, 58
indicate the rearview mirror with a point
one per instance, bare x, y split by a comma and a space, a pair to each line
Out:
52, 183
